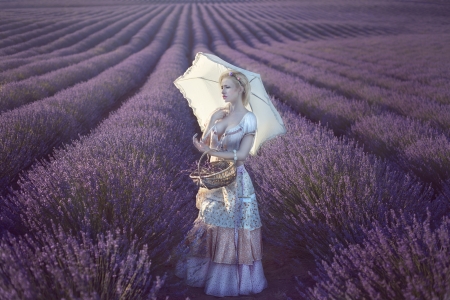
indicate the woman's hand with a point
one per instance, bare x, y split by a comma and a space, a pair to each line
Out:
220, 114
200, 145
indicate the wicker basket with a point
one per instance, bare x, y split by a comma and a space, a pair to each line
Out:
220, 173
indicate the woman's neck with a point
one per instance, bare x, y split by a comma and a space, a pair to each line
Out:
236, 107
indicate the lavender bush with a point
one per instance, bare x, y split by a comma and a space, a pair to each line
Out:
321, 190
359, 86
399, 261
414, 145
56, 265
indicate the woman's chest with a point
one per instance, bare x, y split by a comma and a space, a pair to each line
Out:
228, 140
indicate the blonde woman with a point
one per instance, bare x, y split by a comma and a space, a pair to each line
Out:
225, 245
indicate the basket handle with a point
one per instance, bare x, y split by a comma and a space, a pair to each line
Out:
198, 165
200, 160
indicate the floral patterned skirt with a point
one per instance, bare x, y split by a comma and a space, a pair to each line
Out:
225, 246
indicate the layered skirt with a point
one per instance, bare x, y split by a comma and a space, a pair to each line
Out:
224, 248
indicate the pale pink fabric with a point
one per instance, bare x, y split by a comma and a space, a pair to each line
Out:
222, 280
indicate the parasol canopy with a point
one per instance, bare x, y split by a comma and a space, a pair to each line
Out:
200, 86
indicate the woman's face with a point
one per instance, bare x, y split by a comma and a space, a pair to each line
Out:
231, 91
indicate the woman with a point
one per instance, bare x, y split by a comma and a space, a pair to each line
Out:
225, 245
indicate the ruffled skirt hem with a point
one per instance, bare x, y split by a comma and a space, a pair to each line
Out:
222, 280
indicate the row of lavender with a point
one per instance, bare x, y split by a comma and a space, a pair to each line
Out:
61, 73
19, 21
380, 127
104, 213
411, 64
325, 194
32, 131
14, 45
97, 43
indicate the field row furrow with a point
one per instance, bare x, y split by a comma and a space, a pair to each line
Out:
128, 158
16, 25
56, 39
15, 94
396, 137
100, 42
32, 131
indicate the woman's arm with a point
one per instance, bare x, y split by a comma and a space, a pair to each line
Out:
241, 153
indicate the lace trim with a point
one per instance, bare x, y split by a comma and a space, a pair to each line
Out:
230, 133
183, 92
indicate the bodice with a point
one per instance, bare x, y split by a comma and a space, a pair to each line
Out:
231, 139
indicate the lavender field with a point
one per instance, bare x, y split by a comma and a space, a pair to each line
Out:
95, 145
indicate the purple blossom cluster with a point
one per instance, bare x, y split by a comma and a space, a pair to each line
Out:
405, 260
15, 28
412, 144
56, 265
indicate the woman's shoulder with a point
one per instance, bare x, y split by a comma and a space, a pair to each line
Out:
250, 117
250, 122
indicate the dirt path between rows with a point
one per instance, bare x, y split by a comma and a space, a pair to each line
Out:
280, 268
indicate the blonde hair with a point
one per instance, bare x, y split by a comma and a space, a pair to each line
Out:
240, 79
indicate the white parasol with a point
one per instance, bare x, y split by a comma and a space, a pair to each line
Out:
199, 85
